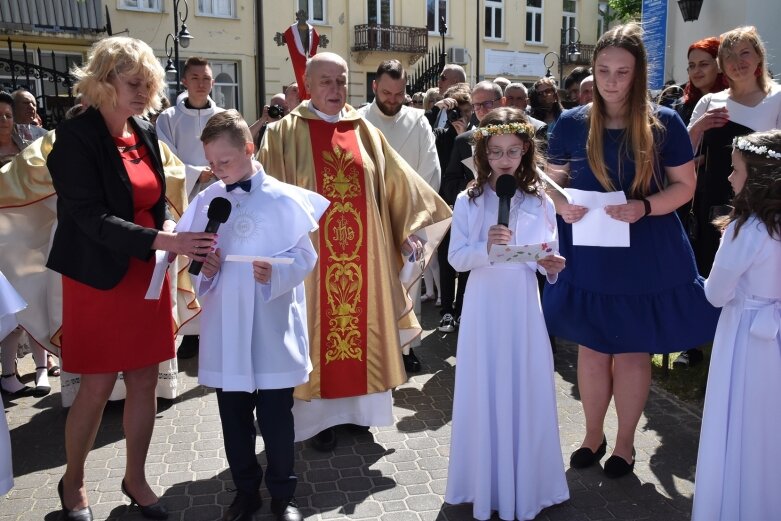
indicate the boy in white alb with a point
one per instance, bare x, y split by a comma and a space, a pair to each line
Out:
254, 342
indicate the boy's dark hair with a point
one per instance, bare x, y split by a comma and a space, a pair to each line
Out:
761, 193
229, 124
577, 75
194, 61
392, 68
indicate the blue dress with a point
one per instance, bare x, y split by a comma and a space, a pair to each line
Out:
644, 298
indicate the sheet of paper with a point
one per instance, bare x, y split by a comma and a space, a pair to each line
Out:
517, 253
597, 228
158, 276
251, 258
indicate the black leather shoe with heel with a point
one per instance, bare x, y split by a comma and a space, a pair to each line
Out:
82, 514
585, 457
153, 511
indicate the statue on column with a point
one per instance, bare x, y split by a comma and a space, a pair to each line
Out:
302, 42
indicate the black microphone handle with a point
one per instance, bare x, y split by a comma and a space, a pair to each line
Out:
195, 266
504, 211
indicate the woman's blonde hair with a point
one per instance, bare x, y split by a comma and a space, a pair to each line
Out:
641, 121
119, 55
745, 34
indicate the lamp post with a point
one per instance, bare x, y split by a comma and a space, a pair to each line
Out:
442, 31
178, 37
548, 66
569, 50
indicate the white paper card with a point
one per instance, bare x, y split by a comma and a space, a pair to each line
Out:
597, 228
158, 276
252, 258
518, 253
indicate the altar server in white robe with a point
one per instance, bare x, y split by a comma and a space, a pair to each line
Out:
254, 346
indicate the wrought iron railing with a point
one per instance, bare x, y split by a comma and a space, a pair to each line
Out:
427, 73
53, 88
394, 38
584, 58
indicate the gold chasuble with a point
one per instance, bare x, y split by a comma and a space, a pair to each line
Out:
359, 312
27, 215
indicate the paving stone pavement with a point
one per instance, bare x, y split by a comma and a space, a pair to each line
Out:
395, 473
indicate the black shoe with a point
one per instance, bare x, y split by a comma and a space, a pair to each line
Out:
616, 466
243, 506
188, 348
286, 509
689, 358
324, 441
83, 514
584, 457
20, 393
153, 511
411, 362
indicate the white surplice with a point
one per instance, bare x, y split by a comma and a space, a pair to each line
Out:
10, 304
739, 459
254, 336
505, 453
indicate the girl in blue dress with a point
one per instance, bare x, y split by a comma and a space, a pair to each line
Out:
620, 304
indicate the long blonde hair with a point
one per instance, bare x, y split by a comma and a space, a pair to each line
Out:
641, 121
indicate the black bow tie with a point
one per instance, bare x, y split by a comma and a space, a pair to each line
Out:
244, 185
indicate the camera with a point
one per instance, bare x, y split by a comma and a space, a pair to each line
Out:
275, 112
453, 114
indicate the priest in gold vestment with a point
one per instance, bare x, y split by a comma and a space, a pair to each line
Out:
382, 215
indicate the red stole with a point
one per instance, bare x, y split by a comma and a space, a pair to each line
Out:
299, 55
340, 176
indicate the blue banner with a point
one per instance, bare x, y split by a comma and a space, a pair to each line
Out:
655, 39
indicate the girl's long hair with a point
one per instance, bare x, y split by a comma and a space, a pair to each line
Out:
526, 175
761, 194
641, 121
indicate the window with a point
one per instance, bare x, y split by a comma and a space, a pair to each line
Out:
534, 21
315, 10
379, 12
493, 18
601, 22
221, 8
141, 5
435, 9
568, 19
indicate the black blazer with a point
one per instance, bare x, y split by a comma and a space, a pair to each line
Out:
95, 235
456, 175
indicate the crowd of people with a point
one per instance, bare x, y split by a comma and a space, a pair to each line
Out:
303, 307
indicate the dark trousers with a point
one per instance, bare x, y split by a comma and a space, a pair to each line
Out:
275, 419
451, 302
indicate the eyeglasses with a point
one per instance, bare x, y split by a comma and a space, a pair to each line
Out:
497, 153
546, 92
487, 105
442, 77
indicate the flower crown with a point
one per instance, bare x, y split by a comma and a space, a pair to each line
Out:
746, 146
523, 129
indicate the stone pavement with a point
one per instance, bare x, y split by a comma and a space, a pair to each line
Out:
395, 473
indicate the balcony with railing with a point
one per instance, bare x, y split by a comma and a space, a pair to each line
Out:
55, 16
584, 58
390, 38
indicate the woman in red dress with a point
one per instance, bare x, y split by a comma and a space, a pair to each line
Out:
112, 216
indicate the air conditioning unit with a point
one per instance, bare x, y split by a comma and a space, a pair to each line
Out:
457, 55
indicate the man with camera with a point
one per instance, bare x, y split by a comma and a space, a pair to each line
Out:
276, 109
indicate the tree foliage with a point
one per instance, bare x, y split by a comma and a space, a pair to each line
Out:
623, 10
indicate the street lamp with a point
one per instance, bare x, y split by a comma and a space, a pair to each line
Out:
570, 49
548, 66
182, 37
442, 32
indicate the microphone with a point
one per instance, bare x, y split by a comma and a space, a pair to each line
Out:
218, 213
506, 186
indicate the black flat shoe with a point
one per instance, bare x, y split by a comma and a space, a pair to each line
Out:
83, 514
242, 507
411, 362
324, 441
286, 510
616, 466
153, 511
584, 457
19, 393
